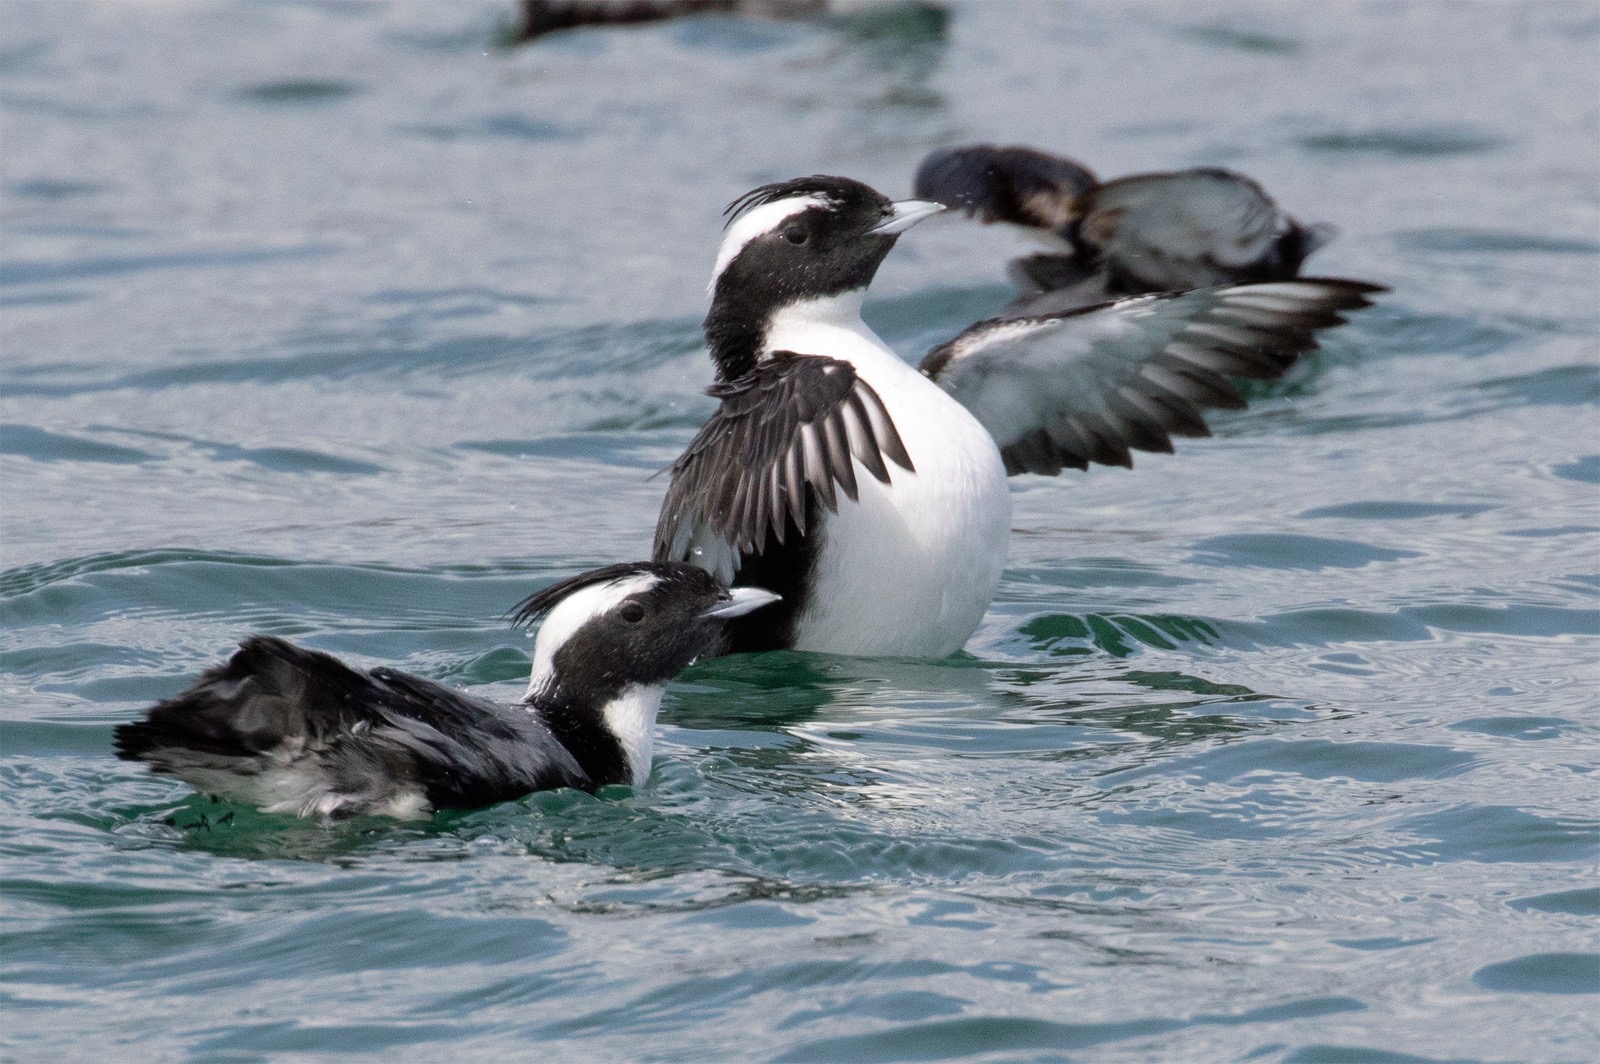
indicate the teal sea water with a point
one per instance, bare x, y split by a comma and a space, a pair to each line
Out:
339, 321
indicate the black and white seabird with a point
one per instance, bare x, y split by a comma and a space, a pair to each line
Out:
1161, 232
297, 731
872, 495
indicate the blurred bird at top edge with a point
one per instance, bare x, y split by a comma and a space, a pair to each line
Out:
536, 18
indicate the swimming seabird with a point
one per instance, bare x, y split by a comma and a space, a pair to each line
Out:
297, 731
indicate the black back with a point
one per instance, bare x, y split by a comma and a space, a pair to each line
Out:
372, 734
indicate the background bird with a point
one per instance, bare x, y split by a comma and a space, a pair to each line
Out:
1158, 232
539, 17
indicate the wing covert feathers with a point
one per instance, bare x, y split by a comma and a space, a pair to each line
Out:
792, 427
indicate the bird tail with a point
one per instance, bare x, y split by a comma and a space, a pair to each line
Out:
270, 691
255, 728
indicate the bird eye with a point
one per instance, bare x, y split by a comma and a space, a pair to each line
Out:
632, 612
795, 235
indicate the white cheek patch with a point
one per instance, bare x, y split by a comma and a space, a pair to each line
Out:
572, 612
758, 222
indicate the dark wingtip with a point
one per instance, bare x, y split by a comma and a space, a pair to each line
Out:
1346, 284
132, 741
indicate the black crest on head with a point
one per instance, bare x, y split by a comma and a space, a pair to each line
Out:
838, 191
646, 637
539, 603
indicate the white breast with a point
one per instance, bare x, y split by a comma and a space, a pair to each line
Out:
910, 568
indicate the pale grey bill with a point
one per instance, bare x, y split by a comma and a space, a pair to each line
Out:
741, 600
903, 214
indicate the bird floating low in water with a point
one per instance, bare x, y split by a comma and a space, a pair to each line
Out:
297, 731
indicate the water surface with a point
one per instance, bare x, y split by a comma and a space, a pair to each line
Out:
338, 321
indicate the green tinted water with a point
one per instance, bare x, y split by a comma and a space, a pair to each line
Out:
333, 321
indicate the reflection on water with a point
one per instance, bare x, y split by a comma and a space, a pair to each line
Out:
1061, 635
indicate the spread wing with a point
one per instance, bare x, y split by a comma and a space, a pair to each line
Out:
1191, 229
1093, 384
786, 431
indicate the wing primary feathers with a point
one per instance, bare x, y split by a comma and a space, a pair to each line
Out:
1135, 425
839, 463
1105, 446
762, 513
796, 484
1095, 383
858, 428
774, 496
1166, 411
883, 430
1204, 386
816, 465
734, 521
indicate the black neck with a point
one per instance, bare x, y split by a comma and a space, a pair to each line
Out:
735, 339
577, 726
757, 287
